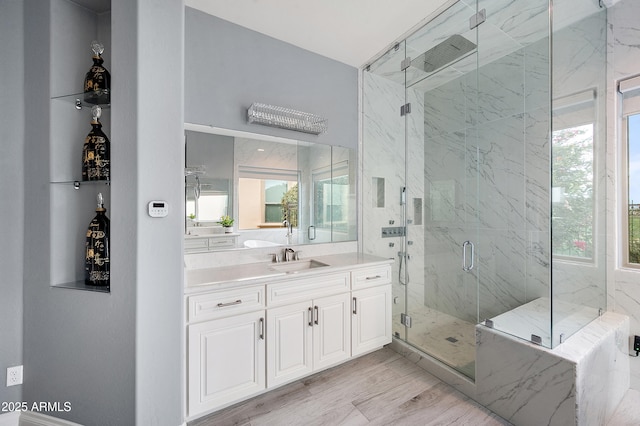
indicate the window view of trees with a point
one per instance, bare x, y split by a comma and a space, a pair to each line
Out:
633, 187
289, 206
572, 192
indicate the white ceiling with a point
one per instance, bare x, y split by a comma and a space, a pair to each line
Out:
349, 31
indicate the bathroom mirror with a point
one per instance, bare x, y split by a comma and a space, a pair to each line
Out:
278, 191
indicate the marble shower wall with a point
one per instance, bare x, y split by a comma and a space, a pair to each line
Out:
383, 157
487, 174
623, 61
580, 382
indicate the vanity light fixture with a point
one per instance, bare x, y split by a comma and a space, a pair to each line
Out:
286, 118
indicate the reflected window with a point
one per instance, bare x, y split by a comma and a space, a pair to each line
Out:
572, 192
210, 206
267, 197
331, 197
206, 199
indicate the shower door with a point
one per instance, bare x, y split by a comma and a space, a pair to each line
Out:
441, 212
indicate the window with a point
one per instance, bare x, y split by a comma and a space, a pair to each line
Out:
267, 197
630, 172
632, 199
572, 191
630, 176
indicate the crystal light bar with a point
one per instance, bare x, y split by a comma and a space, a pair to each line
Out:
286, 118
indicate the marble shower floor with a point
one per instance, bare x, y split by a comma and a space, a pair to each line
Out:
453, 341
442, 336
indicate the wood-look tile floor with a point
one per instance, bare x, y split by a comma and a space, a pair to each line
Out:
381, 388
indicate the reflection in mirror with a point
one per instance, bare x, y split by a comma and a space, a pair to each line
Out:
266, 197
207, 183
278, 191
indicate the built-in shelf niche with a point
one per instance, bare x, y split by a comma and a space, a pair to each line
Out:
72, 202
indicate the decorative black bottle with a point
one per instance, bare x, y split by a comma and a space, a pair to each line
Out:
96, 151
97, 82
96, 260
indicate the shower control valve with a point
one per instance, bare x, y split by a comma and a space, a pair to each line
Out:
393, 231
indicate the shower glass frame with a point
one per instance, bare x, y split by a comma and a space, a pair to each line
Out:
481, 187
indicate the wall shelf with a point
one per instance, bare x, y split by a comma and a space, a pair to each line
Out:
77, 99
72, 200
77, 183
80, 285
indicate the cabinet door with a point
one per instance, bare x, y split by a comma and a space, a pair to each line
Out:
371, 319
226, 361
331, 330
289, 350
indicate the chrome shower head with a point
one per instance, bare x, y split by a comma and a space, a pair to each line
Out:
444, 53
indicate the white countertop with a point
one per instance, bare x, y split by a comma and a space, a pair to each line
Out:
257, 273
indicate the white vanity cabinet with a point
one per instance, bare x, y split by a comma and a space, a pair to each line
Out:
308, 327
251, 335
371, 308
226, 347
371, 319
307, 336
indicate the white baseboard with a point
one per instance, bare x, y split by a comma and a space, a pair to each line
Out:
30, 418
10, 419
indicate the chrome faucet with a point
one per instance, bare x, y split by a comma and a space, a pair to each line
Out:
289, 227
289, 254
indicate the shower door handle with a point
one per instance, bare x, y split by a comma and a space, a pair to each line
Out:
464, 256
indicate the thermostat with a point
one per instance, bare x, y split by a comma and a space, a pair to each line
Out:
158, 208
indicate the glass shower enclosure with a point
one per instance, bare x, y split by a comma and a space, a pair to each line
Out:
462, 164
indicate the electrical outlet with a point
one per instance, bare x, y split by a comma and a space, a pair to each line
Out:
14, 375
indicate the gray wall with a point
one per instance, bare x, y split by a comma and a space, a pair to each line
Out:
160, 175
117, 358
228, 67
78, 346
11, 191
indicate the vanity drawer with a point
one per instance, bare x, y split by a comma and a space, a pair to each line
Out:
196, 244
370, 277
221, 304
218, 243
292, 291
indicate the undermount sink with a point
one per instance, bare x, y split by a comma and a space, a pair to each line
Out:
297, 266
